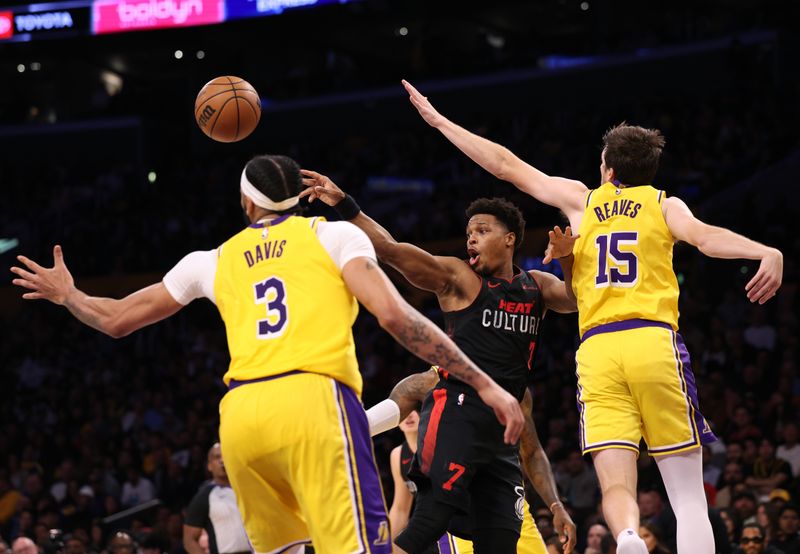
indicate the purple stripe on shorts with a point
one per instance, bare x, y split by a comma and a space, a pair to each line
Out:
369, 483
625, 325
706, 434
444, 545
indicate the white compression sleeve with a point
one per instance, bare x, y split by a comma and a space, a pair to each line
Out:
383, 416
683, 479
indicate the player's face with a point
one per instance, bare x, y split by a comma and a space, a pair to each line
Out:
411, 423
489, 243
606, 174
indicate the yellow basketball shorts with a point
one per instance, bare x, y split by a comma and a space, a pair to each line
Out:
299, 456
530, 540
635, 381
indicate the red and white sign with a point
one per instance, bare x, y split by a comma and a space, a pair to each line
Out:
6, 25
114, 16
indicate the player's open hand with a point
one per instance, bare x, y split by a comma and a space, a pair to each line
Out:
321, 187
767, 280
561, 244
424, 107
48, 283
507, 410
565, 528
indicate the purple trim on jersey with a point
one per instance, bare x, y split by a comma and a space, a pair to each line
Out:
660, 194
234, 383
610, 444
625, 325
589, 197
444, 545
270, 223
372, 505
689, 387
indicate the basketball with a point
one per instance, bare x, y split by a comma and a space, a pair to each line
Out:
227, 109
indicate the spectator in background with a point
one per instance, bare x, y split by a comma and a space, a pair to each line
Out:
741, 426
711, 472
214, 510
768, 472
122, 543
74, 545
760, 334
24, 545
744, 507
608, 545
4, 547
578, 483
732, 481
789, 449
651, 535
753, 541
786, 537
594, 538
137, 489
766, 517
731, 525
650, 505
9, 500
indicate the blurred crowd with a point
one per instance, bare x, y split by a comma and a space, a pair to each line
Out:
91, 427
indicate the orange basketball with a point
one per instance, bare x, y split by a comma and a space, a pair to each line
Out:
227, 109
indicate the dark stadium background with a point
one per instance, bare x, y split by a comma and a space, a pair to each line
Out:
99, 152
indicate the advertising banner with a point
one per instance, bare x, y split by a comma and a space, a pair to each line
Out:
239, 9
33, 22
116, 16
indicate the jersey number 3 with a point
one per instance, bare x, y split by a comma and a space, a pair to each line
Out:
272, 292
626, 271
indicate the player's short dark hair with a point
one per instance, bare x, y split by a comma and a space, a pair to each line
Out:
278, 177
506, 212
633, 153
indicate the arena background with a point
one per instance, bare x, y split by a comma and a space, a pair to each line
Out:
100, 153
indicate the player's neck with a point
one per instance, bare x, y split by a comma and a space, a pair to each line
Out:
506, 271
221, 482
411, 439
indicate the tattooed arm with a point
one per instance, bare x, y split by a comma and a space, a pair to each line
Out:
423, 338
409, 393
540, 474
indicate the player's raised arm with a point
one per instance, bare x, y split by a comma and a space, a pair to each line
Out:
558, 294
566, 194
436, 274
370, 285
718, 242
540, 474
116, 318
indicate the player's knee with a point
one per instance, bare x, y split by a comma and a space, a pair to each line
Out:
428, 523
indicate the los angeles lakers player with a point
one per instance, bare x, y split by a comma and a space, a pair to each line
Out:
634, 373
409, 394
293, 431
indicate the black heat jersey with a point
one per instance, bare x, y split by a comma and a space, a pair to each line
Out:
499, 330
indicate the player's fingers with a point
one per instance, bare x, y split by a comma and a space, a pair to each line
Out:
33, 266
58, 255
305, 192
25, 284
22, 273
568, 231
760, 274
310, 174
759, 290
32, 295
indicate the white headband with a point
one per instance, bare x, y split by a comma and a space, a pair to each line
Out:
263, 201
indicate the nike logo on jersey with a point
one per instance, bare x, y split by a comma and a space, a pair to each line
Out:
494, 285
407, 460
528, 287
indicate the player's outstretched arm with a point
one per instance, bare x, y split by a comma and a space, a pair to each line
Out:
402, 500
116, 318
718, 242
422, 337
409, 393
565, 194
540, 474
422, 269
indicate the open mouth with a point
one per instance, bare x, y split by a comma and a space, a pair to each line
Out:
474, 256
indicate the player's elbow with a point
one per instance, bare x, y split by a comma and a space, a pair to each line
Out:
393, 316
118, 329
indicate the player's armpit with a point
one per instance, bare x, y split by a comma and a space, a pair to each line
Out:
557, 295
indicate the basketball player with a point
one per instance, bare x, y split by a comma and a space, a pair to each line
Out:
634, 373
409, 394
293, 431
493, 311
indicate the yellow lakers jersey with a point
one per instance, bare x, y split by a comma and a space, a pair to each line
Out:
623, 259
285, 304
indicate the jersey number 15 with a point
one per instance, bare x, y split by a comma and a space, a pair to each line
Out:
625, 272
